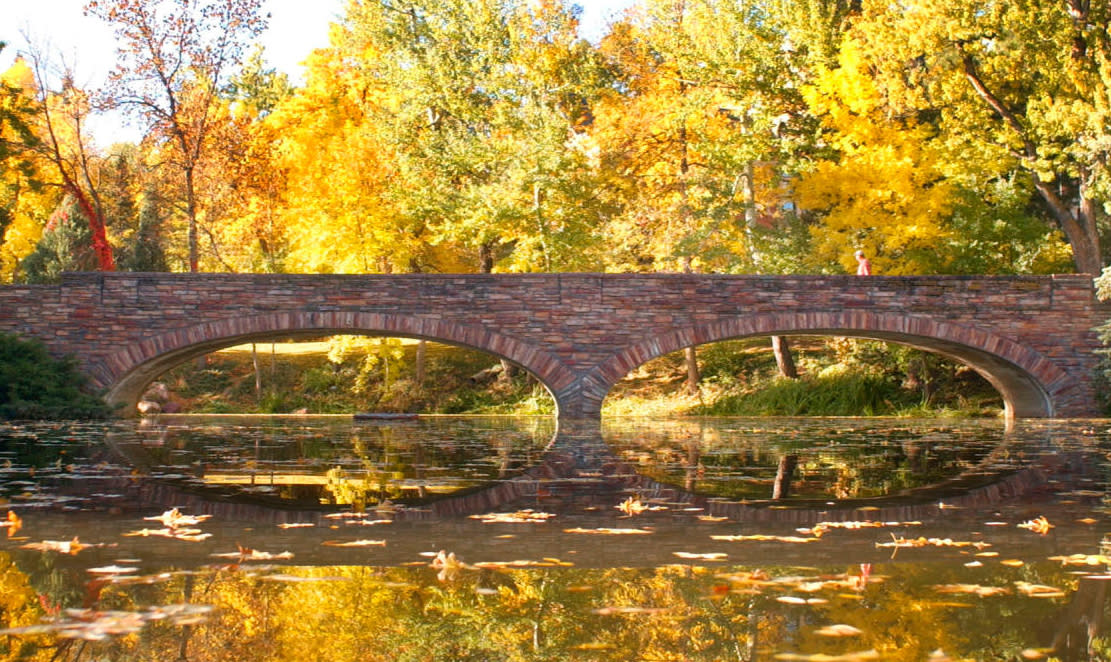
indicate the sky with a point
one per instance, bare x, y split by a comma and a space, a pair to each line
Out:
296, 28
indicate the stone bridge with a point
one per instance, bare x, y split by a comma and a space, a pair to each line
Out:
1032, 337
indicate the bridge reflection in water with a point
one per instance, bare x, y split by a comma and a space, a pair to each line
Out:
912, 532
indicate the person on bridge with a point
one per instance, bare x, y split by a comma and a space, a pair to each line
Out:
863, 266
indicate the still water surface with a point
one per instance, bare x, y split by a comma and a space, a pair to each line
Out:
246, 538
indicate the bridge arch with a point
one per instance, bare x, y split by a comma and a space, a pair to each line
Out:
128, 372
1028, 381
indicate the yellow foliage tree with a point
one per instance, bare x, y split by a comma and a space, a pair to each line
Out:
25, 202
886, 193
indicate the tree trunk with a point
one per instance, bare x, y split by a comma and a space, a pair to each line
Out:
694, 375
783, 358
258, 373
191, 212
419, 369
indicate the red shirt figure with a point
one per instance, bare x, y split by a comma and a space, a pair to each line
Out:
863, 266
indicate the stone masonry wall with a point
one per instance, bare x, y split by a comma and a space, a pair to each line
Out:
579, 333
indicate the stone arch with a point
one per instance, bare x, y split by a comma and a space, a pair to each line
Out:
1031, 385
127, 372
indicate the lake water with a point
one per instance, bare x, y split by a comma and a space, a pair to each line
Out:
471, 538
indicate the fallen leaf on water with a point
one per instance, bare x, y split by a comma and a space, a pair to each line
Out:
610, 532
1039, 590
610, 611
248, 554
189, 535
174, 519
13, 522
900, 542
839, 630
862, 656
368, 522
795, 600
112, 570
354, 543
972, 589
295, 525
1036, 653
526, 516
448, 565
711, 518
632, 506
1038, 525
1082, 559
298, 579
765, 538
706, 556
61, 546
523, 563
1012, 563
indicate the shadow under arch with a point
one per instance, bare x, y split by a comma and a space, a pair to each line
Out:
135, 367
1028, 382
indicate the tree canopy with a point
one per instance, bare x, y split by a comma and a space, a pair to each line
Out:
735, 136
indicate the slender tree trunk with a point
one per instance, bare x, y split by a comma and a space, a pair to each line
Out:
419, 368
191, 212
258, 373
694, 375
783, 358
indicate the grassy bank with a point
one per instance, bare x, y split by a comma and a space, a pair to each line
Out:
739, 378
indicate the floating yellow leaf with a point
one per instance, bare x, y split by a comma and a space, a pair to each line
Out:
1013, 563
1039, 590
13, 523
1039, 525
610, 611
862, 656
972, 589
248, 554
764, 538
839, 630
295, 525
520, 517
354, 543
1082, 559
174, 519
61, 546
632, 506
706, 556
610, 532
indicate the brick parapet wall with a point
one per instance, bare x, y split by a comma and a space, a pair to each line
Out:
577, 332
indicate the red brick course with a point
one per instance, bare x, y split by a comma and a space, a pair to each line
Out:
1032, 336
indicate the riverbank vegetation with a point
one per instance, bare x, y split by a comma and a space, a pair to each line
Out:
36, 385
739, 378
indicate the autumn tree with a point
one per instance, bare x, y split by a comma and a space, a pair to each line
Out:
25, 200
477, 107
1015, 85
63, 142
174, 57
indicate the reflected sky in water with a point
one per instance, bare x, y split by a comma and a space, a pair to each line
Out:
477, 538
